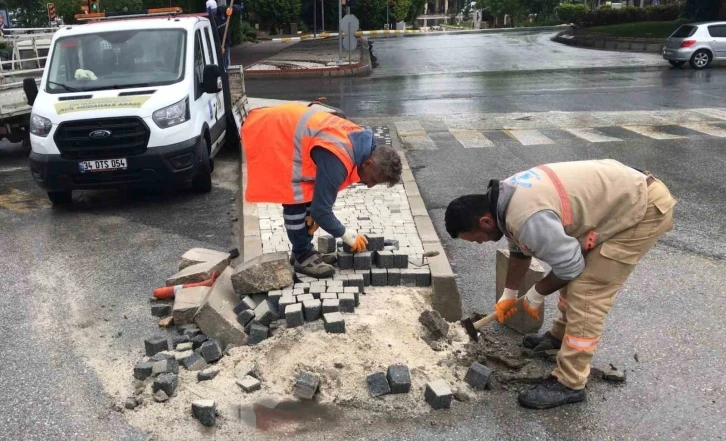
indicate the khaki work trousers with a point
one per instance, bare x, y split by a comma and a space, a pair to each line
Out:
586, 301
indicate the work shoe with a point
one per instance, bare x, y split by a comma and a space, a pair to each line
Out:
314, 266
542, 342
330, 259
550, 393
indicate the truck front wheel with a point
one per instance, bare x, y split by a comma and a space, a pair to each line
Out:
202, 181
60, 197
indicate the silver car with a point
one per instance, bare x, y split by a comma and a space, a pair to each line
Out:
698, 44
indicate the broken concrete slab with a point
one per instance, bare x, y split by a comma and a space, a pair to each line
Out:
249, 384
436, 325
520, 321
306, 386
187, 302
438, 394
378, 384
264, 273
205, 411
196, 273
200, 255
216, 317
399, 378
478, 376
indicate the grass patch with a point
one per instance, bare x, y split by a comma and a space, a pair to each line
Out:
643, 29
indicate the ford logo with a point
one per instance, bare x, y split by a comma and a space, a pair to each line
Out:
97, 134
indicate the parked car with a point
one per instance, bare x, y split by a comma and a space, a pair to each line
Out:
698, 44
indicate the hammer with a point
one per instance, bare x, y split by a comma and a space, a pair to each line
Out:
473, 327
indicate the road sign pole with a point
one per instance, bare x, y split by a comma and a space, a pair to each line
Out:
340, 31
315, 19
349, 36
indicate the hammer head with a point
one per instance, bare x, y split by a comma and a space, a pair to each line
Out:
468, 325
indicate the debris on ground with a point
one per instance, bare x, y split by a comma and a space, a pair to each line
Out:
614, 374
437, 326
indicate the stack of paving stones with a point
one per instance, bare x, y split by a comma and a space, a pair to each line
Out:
396, 381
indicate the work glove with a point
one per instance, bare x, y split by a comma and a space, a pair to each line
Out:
82, 74
356, 242
506, 304
312, 225
532, 302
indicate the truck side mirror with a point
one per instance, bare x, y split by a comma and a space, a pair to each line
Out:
211, 79
31, 90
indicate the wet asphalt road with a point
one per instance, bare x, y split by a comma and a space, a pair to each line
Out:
73, 279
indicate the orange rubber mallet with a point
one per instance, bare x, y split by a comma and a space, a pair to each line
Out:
168, 292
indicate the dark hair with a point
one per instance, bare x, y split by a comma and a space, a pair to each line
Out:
463, 213
388, 164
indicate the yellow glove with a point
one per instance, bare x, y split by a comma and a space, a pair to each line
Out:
356, 242
313, 226
505, 307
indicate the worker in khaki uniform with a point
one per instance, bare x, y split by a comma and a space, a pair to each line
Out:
591, 222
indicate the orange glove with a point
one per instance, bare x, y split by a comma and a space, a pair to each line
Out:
313, 226
356, 242
505, 307
532, 303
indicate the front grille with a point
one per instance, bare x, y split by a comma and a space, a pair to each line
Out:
129, 136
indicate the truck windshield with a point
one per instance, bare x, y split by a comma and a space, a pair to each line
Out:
117, 60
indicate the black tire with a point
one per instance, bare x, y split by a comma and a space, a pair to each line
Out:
60, 198
202, 180
676, 63
700, 59
231, 138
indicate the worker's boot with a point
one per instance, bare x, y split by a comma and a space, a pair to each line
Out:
330, 259
550, 393
312, 265
541, 343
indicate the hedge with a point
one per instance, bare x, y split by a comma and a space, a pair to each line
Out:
567, 12
607, 16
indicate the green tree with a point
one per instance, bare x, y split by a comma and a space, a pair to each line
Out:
702, 10
30, 13
400, 9
67, 9
499, 8
277, 12
415, 9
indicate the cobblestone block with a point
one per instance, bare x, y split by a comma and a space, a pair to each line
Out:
328, 296
408, 277
346, 248
180, 355
366, 277
284, 301
326, 244
186, 346
274, 297
375, 243
258, 333
246, 303
143, 370
363, 261
356, 293
155, 345
304, 286
385, 259
304, 297
334, 285
399, 378
167, 383
334, 323
294, 315
193, 362
394, 276
400, 259
423, 277
312, 309
249, 384
316, 291
198, 340
357, 281
211, 351
379, 277
192, 332
298, 292
378, 384
331, 305
208, 373
438, 394
478, 376
345, 260
305, 386
161, 309
392, 243
169, 365
205, 411
347, 302
266, 312
244, 317
179, 339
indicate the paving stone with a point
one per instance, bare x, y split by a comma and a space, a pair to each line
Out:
165, 366
331, 305
345, 260
393, 243
363, 261
194, 362
304, 286
304, 297
216, 317
356, 293
211, 351
423, 277
400, 259
305, 386
284, 302
199, 340
312, 309
155, 345
161, 309
143, 370
244, 317
366, 274
438, 394
187, 302
190, 332
437, 326
261, 274
180, 355
208, 373
205, 411
379, 277
614, 375
334, 284
316, 292
258, 333
164, 355
249, 384
274, 297
201, 255
326, 244
356, 281
478, 376
294, 315
394, 277
197, 273
347, 302
375, 243
328, 296
378, 384
399, 378
244, 369
160, 396
385, 259
178, 340
247, 303
408, 277
346, 248
266, 312
333, 322
298, 292
167, 383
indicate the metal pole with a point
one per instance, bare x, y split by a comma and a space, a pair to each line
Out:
322, 12
315, 19
340, 31
387, 21
350, 43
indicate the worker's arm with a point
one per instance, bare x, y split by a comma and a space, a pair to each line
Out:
516, 270
329, 176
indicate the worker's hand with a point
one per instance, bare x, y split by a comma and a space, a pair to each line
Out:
356, 242
532, 303
312, 225
506, 304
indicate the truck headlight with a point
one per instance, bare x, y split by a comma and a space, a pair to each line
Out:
172, 115
39, 126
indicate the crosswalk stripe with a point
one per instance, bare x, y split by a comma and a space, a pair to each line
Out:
592, 135
651, 132
471, 139
530, 137
707, 129
413, 134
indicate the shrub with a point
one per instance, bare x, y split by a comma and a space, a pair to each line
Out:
567, 13
608, 16
249, 33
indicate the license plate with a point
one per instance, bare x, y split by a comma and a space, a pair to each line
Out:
102, 165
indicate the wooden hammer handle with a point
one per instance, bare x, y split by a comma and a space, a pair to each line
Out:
492, 317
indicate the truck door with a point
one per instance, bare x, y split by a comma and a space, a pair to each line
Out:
212, 104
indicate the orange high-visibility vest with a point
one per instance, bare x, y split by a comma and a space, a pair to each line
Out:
277, 142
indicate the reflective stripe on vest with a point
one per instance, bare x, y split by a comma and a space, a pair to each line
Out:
561, 193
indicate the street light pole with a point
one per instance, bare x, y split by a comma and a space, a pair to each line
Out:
315, 19
322, 12
340, 31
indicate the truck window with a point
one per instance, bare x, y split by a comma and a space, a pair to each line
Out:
198, 63
210, 46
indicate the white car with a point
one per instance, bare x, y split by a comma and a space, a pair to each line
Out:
698, 44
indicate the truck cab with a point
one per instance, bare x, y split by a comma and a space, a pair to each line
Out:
129, 103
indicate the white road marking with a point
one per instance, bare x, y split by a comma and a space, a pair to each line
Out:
413, 134
707, 129
471, 139
530, 137
592, 135
651, 132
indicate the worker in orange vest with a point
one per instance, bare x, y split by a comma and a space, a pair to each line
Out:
301, 158
591, 222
